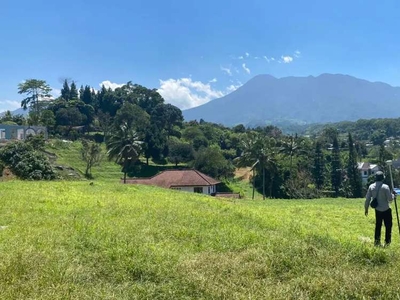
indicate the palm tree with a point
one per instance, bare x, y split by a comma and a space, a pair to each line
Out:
290, 147
124, 147
259, 153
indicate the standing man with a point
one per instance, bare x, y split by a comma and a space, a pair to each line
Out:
383, 212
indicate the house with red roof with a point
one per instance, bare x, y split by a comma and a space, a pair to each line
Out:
183, 180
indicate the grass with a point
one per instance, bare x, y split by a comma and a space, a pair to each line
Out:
68, 154
72, 240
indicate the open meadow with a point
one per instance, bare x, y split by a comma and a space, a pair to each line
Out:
73, 240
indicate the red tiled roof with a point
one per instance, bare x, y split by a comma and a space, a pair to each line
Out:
177, 178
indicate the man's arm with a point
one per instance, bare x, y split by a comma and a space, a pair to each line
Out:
388, 195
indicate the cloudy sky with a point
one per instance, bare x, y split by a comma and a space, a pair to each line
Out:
193, 51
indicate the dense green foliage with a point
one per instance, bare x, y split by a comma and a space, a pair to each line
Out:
26, 160
285, 166
72, 240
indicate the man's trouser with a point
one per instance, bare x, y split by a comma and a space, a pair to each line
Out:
386, 217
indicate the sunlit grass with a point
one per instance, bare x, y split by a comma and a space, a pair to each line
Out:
72, 240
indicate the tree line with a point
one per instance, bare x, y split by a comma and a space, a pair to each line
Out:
134, 121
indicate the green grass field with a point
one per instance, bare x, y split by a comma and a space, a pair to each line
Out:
72, 240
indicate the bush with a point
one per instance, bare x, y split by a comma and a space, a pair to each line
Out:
25, 162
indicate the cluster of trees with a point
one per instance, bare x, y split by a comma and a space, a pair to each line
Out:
135, 121
373, 130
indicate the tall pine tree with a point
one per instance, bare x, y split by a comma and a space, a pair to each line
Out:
73, 94
336, 167
354, 177
319, 165
65, 91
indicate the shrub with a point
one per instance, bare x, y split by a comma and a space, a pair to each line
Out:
25, 162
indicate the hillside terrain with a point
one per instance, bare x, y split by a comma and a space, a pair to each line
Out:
300, 100
72, 240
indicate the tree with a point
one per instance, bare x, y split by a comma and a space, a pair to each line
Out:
259, 153
70, 116
91, 154
336, 167
132, 115
124, 147
47, 118
65, 91
179, 151
210, 161
378, 137
7, 117
290, 147
353, 175
73, 93
239, 129
155, 143
167, 116
35, 90
86, 96
319, 165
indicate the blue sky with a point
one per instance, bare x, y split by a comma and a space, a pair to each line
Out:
193, 51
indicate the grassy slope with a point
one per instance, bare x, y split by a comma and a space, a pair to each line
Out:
71, 240
68, 154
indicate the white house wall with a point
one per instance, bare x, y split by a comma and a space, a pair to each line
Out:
190, 189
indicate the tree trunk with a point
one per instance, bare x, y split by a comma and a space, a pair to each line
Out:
270, 187
147, 161
124, 177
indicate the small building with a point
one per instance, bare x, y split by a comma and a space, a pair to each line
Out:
20, 132
183, 180
366, 169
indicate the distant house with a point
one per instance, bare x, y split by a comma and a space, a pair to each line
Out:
396, 164
183, 180
20, 132
366, 169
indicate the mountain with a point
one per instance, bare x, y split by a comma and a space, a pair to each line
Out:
303, 100
18, 111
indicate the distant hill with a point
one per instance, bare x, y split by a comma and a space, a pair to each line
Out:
19, 111
302, 100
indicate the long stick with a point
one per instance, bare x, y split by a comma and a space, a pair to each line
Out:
395, 202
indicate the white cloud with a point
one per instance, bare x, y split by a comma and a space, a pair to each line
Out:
240, 57
247, 70
9, 105
233, 87
213, 80
272, 58
186, 93
256, 57
247, 54
228, 71
287, 59
108, 84
297, 53
266, 58
55, 92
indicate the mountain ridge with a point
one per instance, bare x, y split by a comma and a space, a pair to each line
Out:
313, 99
